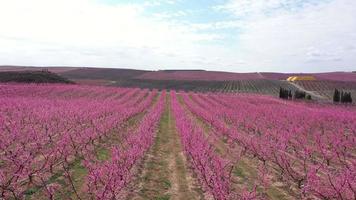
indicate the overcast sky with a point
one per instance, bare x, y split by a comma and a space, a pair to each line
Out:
224, 35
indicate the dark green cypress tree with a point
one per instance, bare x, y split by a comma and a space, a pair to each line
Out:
350, 98
283, 93
346, 97
342, 97
336, 97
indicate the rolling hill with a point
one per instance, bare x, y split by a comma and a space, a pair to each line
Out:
204, 81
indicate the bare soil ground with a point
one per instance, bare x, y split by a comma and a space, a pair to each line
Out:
165, 173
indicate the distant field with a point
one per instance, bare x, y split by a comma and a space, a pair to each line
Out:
326, 88
191, 75
28, 68
205, 81
102, 73
199, 75
330, 76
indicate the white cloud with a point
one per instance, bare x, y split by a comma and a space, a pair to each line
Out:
83, 22
273, 35
243, 8
62, 32
289, 41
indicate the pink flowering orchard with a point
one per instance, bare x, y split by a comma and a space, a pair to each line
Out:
177, 99
93, 142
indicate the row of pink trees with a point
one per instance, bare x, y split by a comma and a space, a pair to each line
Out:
311, 145
44, 134
106, 180
214, 173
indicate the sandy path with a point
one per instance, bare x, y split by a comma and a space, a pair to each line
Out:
165, 174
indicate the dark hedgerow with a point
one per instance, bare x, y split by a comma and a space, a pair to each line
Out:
43, 76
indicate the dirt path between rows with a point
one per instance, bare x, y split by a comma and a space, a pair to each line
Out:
165, 174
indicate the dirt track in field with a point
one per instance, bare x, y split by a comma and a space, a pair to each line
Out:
165, 173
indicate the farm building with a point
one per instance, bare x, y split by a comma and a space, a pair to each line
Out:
301, 78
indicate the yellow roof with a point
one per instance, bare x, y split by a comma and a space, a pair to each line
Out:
301, 78
290, 78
